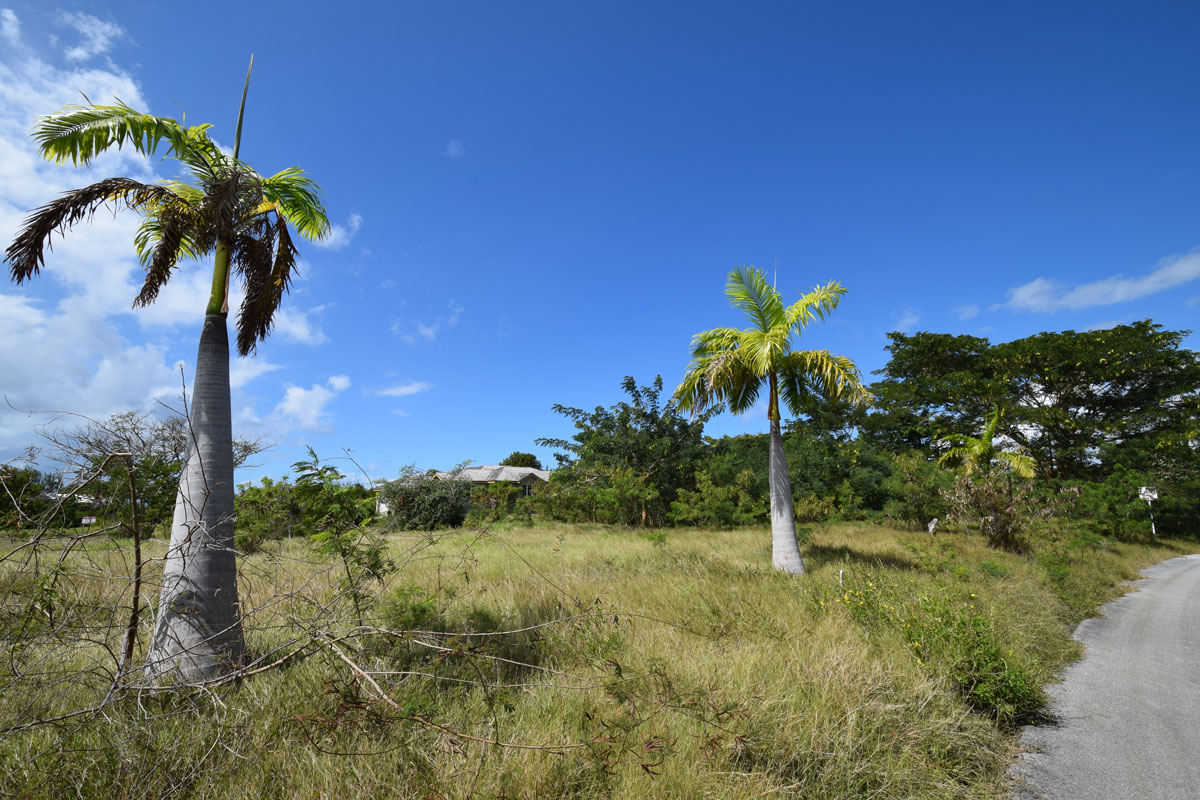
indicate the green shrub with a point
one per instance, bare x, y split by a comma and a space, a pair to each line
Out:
948, 635
712, 506
810, 508
265, 512
1114, 507
916, 490
425, 501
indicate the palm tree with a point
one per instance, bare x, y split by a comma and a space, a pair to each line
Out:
980, 452
730, 365
230, 211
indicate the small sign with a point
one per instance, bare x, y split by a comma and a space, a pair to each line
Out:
1148, 493
89, 520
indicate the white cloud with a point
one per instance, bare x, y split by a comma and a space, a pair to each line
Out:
61, 347
1103, 326
1193, 302
454, 149
341, 235
97, 34
908, 320
297, 326
244, 370
10, 27
967, 312
413, 331
400, 412
1047, 295
405, 389
305, 408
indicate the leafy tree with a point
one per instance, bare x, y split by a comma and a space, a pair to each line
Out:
518, 459
1086, 401
731, 365
934, 385
637, 455
1077, 403
21, 495
228, 210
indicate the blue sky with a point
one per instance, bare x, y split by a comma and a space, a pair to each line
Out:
534, 200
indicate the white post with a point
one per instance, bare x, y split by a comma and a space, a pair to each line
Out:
1149, 494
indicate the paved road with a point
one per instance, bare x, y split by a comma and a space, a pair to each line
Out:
1128, 714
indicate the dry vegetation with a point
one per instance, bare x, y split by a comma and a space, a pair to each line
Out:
561, 662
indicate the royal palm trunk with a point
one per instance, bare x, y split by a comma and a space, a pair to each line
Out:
785, 550
198, 633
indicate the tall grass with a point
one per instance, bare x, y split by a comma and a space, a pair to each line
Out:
581, 662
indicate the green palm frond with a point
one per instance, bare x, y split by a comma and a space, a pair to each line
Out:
821, 372
1021, 465
749, 291
80, 133
299, 200
718, 340
26, 255
720, 377
225, 207
975, 452
817, 303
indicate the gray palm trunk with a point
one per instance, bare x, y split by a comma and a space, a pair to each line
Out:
198, 633
785, 550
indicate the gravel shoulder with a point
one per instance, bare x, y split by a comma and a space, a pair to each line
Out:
1126, 717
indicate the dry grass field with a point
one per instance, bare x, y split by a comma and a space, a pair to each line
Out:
547, 662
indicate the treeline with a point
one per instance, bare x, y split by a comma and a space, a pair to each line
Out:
992, 435
1095, 415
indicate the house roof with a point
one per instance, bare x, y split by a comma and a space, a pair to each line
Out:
490, 474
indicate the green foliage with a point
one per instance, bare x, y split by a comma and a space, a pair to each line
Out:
947, 634
268, 511
334, 515
1114, 507
631, 460
425, 501
730, 366
227, 209
21, 495
1078, 403
518, 459
713, 506
916, 490
1002, 504
497, 501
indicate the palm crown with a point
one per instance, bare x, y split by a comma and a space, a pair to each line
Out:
226, 208
974, 452
729, 365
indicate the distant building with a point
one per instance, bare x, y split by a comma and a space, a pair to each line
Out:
526, 477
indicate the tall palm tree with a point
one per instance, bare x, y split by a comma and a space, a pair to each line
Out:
731, 365
230, 211
980, 452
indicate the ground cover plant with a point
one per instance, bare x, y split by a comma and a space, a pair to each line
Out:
557, 661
